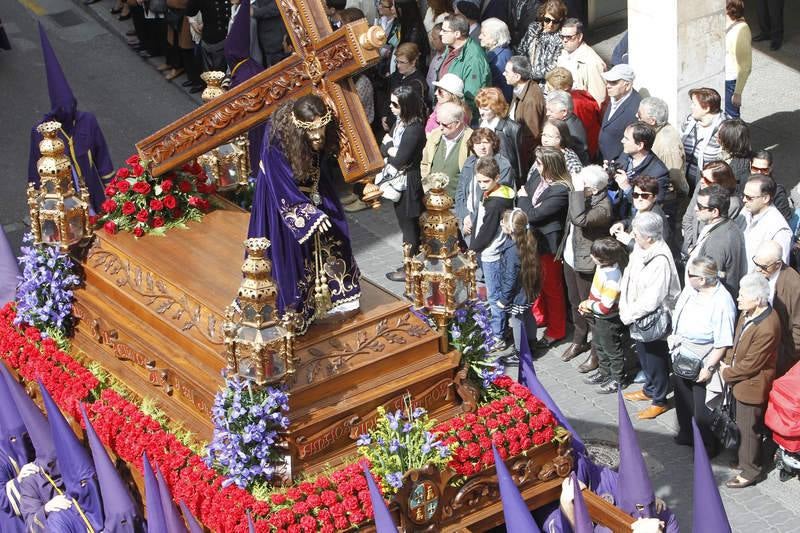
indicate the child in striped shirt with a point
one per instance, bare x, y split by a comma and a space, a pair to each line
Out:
608, 332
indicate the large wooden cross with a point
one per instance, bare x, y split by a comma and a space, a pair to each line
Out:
323, 60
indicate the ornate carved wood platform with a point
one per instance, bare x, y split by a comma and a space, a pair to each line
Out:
151, 313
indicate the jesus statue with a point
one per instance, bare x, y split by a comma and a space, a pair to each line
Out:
296, 208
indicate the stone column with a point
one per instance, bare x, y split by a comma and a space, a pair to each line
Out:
677, 45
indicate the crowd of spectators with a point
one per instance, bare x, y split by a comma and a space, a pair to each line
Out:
662, 244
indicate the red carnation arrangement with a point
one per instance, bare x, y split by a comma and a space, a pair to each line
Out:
514, 423
144, 204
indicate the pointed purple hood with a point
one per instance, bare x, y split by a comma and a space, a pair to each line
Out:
35, 423
251, 527
63, 104
383, 518
636, 494
583, 522
528, 378
709, 513
515, 511
120, 511
171, 515
191, 521
237, 49
152, 496
12, 427
75, 464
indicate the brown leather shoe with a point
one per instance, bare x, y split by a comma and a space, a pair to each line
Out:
637, 396
574, 351
652, 412
738, 482
590, 364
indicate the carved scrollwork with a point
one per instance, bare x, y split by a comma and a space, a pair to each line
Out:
158, 295
330, 358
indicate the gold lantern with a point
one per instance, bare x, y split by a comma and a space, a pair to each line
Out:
258, 346
59, 209
440, 277
228, 166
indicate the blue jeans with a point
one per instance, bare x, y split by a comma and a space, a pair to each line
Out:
492, 274
731, 110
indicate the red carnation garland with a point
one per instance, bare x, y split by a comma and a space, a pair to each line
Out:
515, 423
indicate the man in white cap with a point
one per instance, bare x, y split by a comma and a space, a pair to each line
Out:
620, 112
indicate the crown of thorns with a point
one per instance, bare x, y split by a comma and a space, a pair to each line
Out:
314, 124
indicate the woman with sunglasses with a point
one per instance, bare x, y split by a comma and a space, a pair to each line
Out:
645, 190
403, 151
448, 89
542, 42
545, 200
714, 172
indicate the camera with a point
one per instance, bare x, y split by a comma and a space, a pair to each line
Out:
611, 169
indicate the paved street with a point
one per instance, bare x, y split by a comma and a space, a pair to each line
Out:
132, 100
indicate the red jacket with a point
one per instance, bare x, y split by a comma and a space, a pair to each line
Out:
588, 111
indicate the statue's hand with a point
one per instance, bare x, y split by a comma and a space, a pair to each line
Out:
325, 225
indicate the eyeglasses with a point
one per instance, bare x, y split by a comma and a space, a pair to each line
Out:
403, 62
446, 125
388, 6
394, 104
568, 37
763, 268
445, 30
642, 195
748, 198
759, 170
693, 276
701, 207
548, 20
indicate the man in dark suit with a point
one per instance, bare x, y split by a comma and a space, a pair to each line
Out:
770, 21
784, 283
620, 110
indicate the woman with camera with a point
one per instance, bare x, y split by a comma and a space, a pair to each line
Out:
702, 326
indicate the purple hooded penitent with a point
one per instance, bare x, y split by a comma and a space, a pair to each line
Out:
9, 270
171, 515
709, 513
85, 144
528, 378
635, 489
383, 518
191, 522
76, 466
35, 423
12, 427
152, 497
583, 522
120, 512
515, 511
251, 527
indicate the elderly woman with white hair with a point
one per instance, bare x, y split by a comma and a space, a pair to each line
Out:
667, 146
749, 367
589, 218
560, 106
650, 288
702, 326
495, 39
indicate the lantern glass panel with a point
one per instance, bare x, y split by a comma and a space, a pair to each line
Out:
50, 232
228, 173
75, 228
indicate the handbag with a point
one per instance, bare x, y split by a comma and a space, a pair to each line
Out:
723, 420
687, 356
651, 327
392, 182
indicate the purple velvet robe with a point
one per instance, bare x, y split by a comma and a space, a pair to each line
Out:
35, 491
9, 270
287, 216
9, 521
91, 155
67, 521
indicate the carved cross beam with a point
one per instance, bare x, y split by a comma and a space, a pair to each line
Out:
322, 62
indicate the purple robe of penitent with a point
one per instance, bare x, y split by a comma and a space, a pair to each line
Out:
80, 131
284, 212
10, 521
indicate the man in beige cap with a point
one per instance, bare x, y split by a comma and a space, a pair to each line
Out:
620, 112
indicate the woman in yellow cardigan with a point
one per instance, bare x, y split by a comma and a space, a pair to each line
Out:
738, 56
